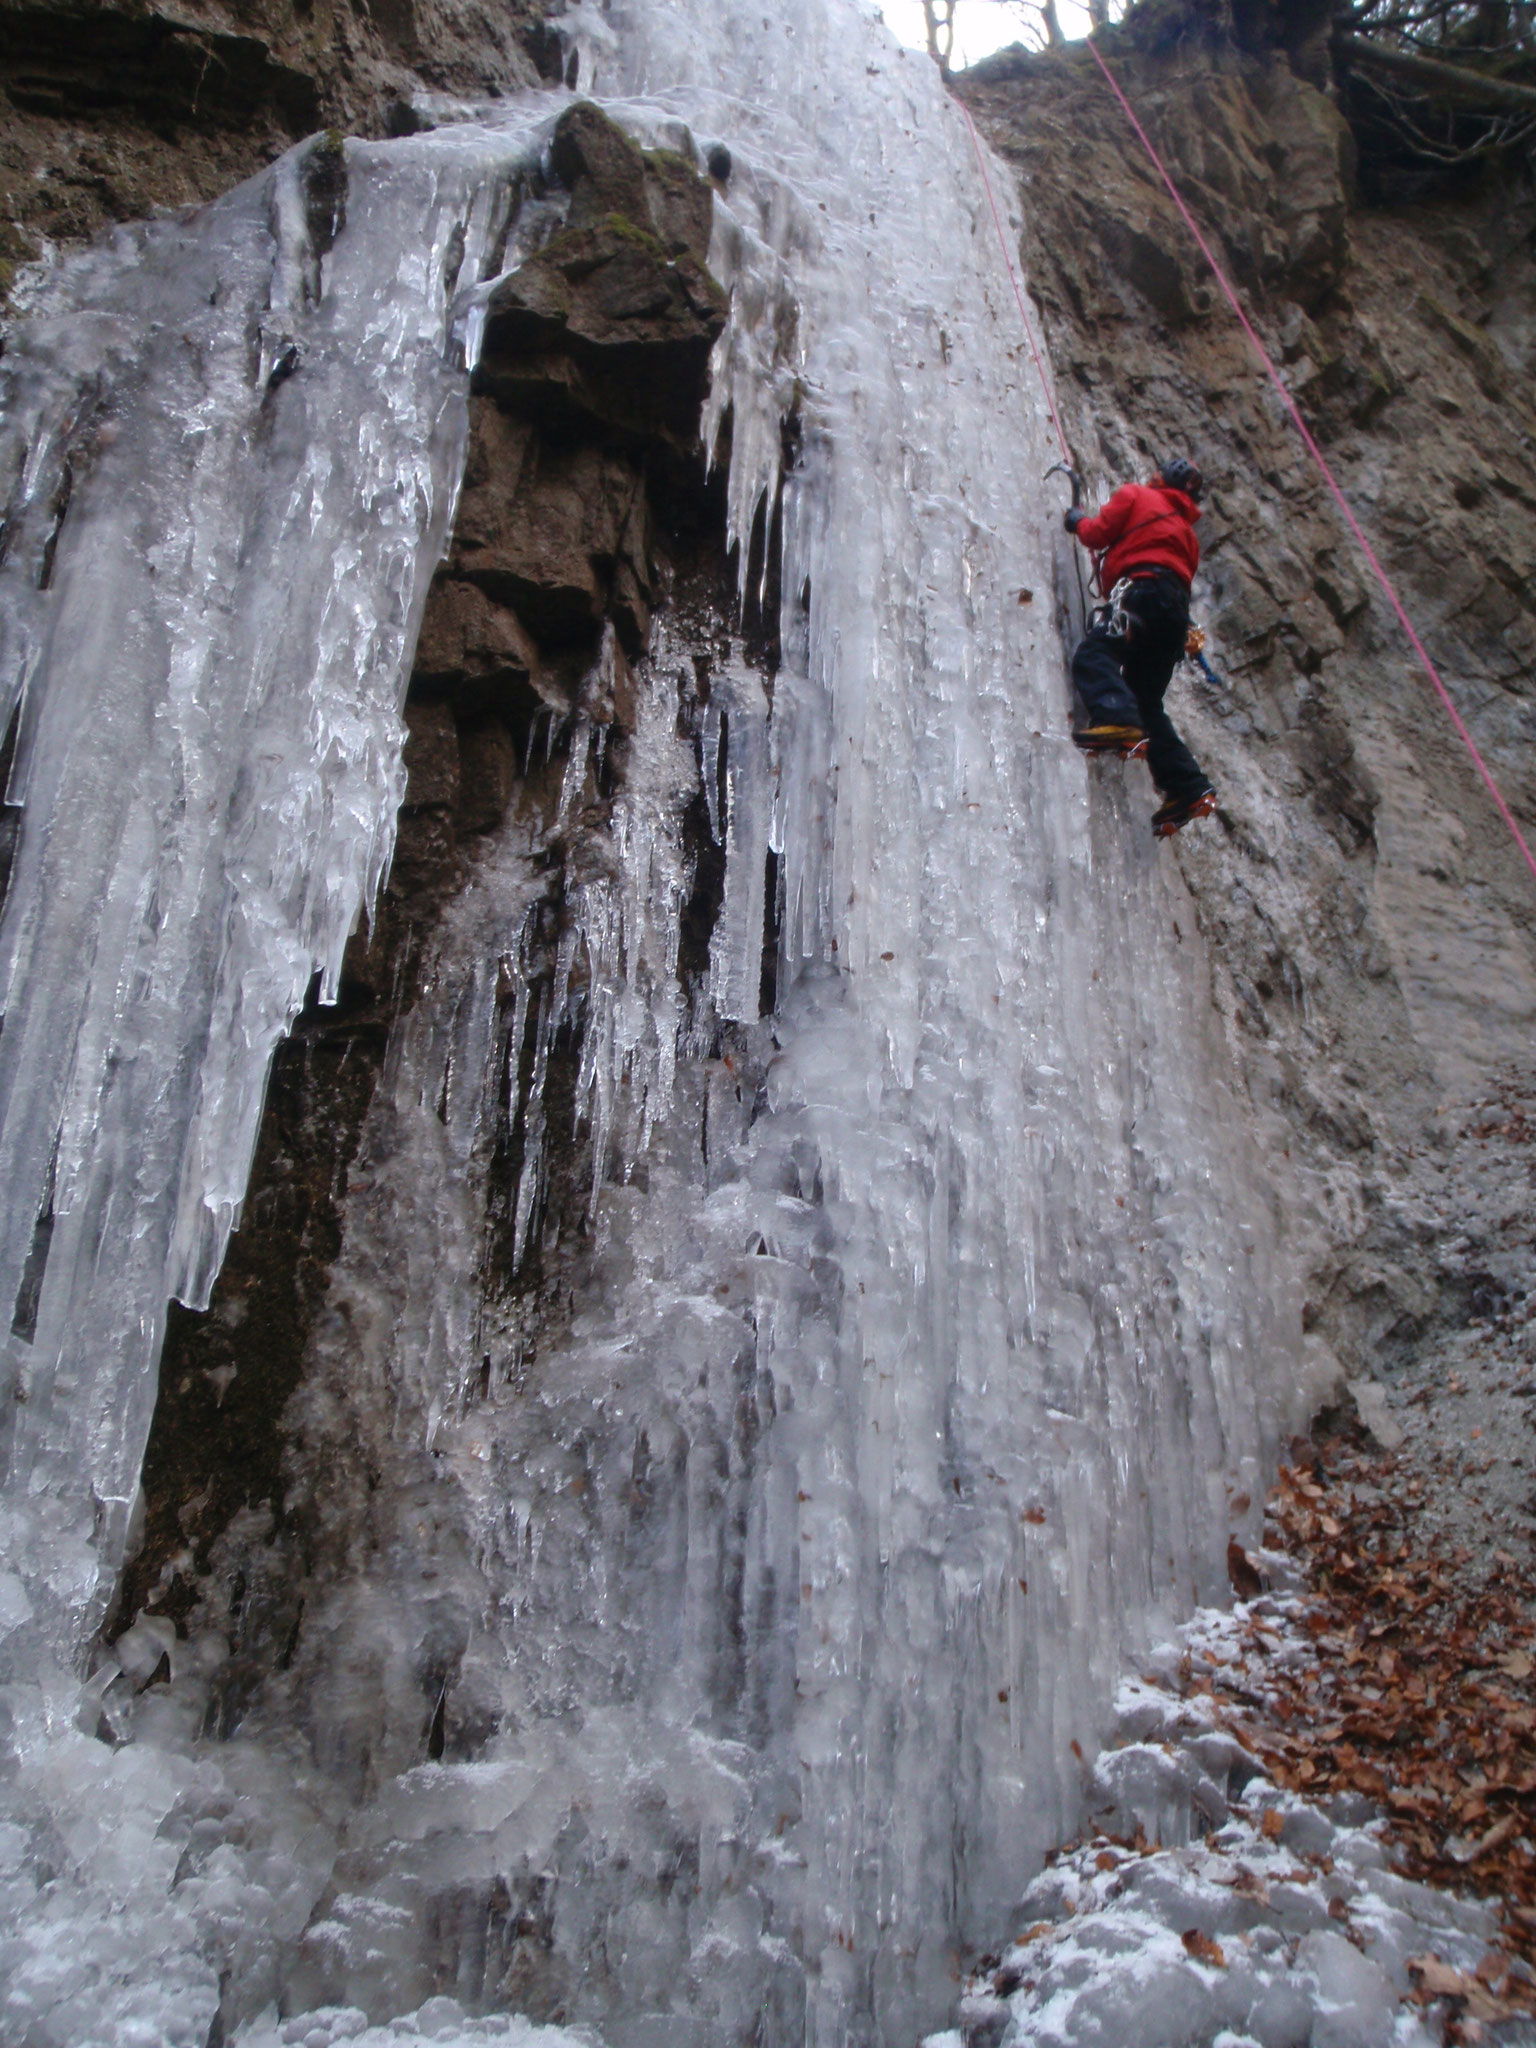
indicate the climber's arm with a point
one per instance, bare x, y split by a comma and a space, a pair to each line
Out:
1105, 528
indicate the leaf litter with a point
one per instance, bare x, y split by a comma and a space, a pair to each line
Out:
1419, 1693
1376, 1690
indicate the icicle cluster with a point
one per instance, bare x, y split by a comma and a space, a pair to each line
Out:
622, 930
212, 581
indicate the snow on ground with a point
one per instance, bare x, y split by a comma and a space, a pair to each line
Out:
1211, 1906
442, 2021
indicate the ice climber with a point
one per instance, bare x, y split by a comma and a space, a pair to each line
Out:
1148, 554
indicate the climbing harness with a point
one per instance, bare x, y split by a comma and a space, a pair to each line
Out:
1321, 460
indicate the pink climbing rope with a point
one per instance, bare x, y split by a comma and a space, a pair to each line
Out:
997, 222
1321, 460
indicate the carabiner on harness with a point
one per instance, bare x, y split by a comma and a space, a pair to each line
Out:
1112, 615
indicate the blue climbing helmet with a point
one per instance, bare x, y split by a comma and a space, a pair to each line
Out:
1181, 474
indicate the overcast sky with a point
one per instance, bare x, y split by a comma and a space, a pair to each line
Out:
980, 25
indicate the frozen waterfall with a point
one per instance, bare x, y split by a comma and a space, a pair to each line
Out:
916, 1378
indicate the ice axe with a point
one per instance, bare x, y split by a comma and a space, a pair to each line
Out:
1065, 469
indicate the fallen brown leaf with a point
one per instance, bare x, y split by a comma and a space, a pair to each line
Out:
1439, 1980
1203, 1949
1243, 1573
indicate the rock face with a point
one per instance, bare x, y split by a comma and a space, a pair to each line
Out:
1371, 914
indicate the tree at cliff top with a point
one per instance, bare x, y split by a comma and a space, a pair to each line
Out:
1427, 85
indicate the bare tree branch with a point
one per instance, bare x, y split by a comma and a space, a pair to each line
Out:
1406, 120
1039, 21
939, 21
1436, 80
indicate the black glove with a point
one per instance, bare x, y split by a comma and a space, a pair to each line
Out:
1072, 518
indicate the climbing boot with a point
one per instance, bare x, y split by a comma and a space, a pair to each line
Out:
1124, 740
1178, 810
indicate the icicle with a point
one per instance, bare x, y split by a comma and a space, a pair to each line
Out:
574, 780
585, 36
736, 948
709, 767
757, 371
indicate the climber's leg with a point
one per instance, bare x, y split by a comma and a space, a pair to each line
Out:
1109, 718
1158, 608
1174, 768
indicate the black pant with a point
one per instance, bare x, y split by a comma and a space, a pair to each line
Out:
1123, 680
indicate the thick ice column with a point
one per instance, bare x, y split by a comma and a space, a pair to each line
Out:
231, 448
1048, 1339
736, 946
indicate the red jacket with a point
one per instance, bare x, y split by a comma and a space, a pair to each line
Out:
1144, 526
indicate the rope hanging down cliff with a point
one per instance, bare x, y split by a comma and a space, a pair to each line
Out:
997, 222
1388, 588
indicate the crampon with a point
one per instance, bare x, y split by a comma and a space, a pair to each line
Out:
1128, 741
1178, 811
